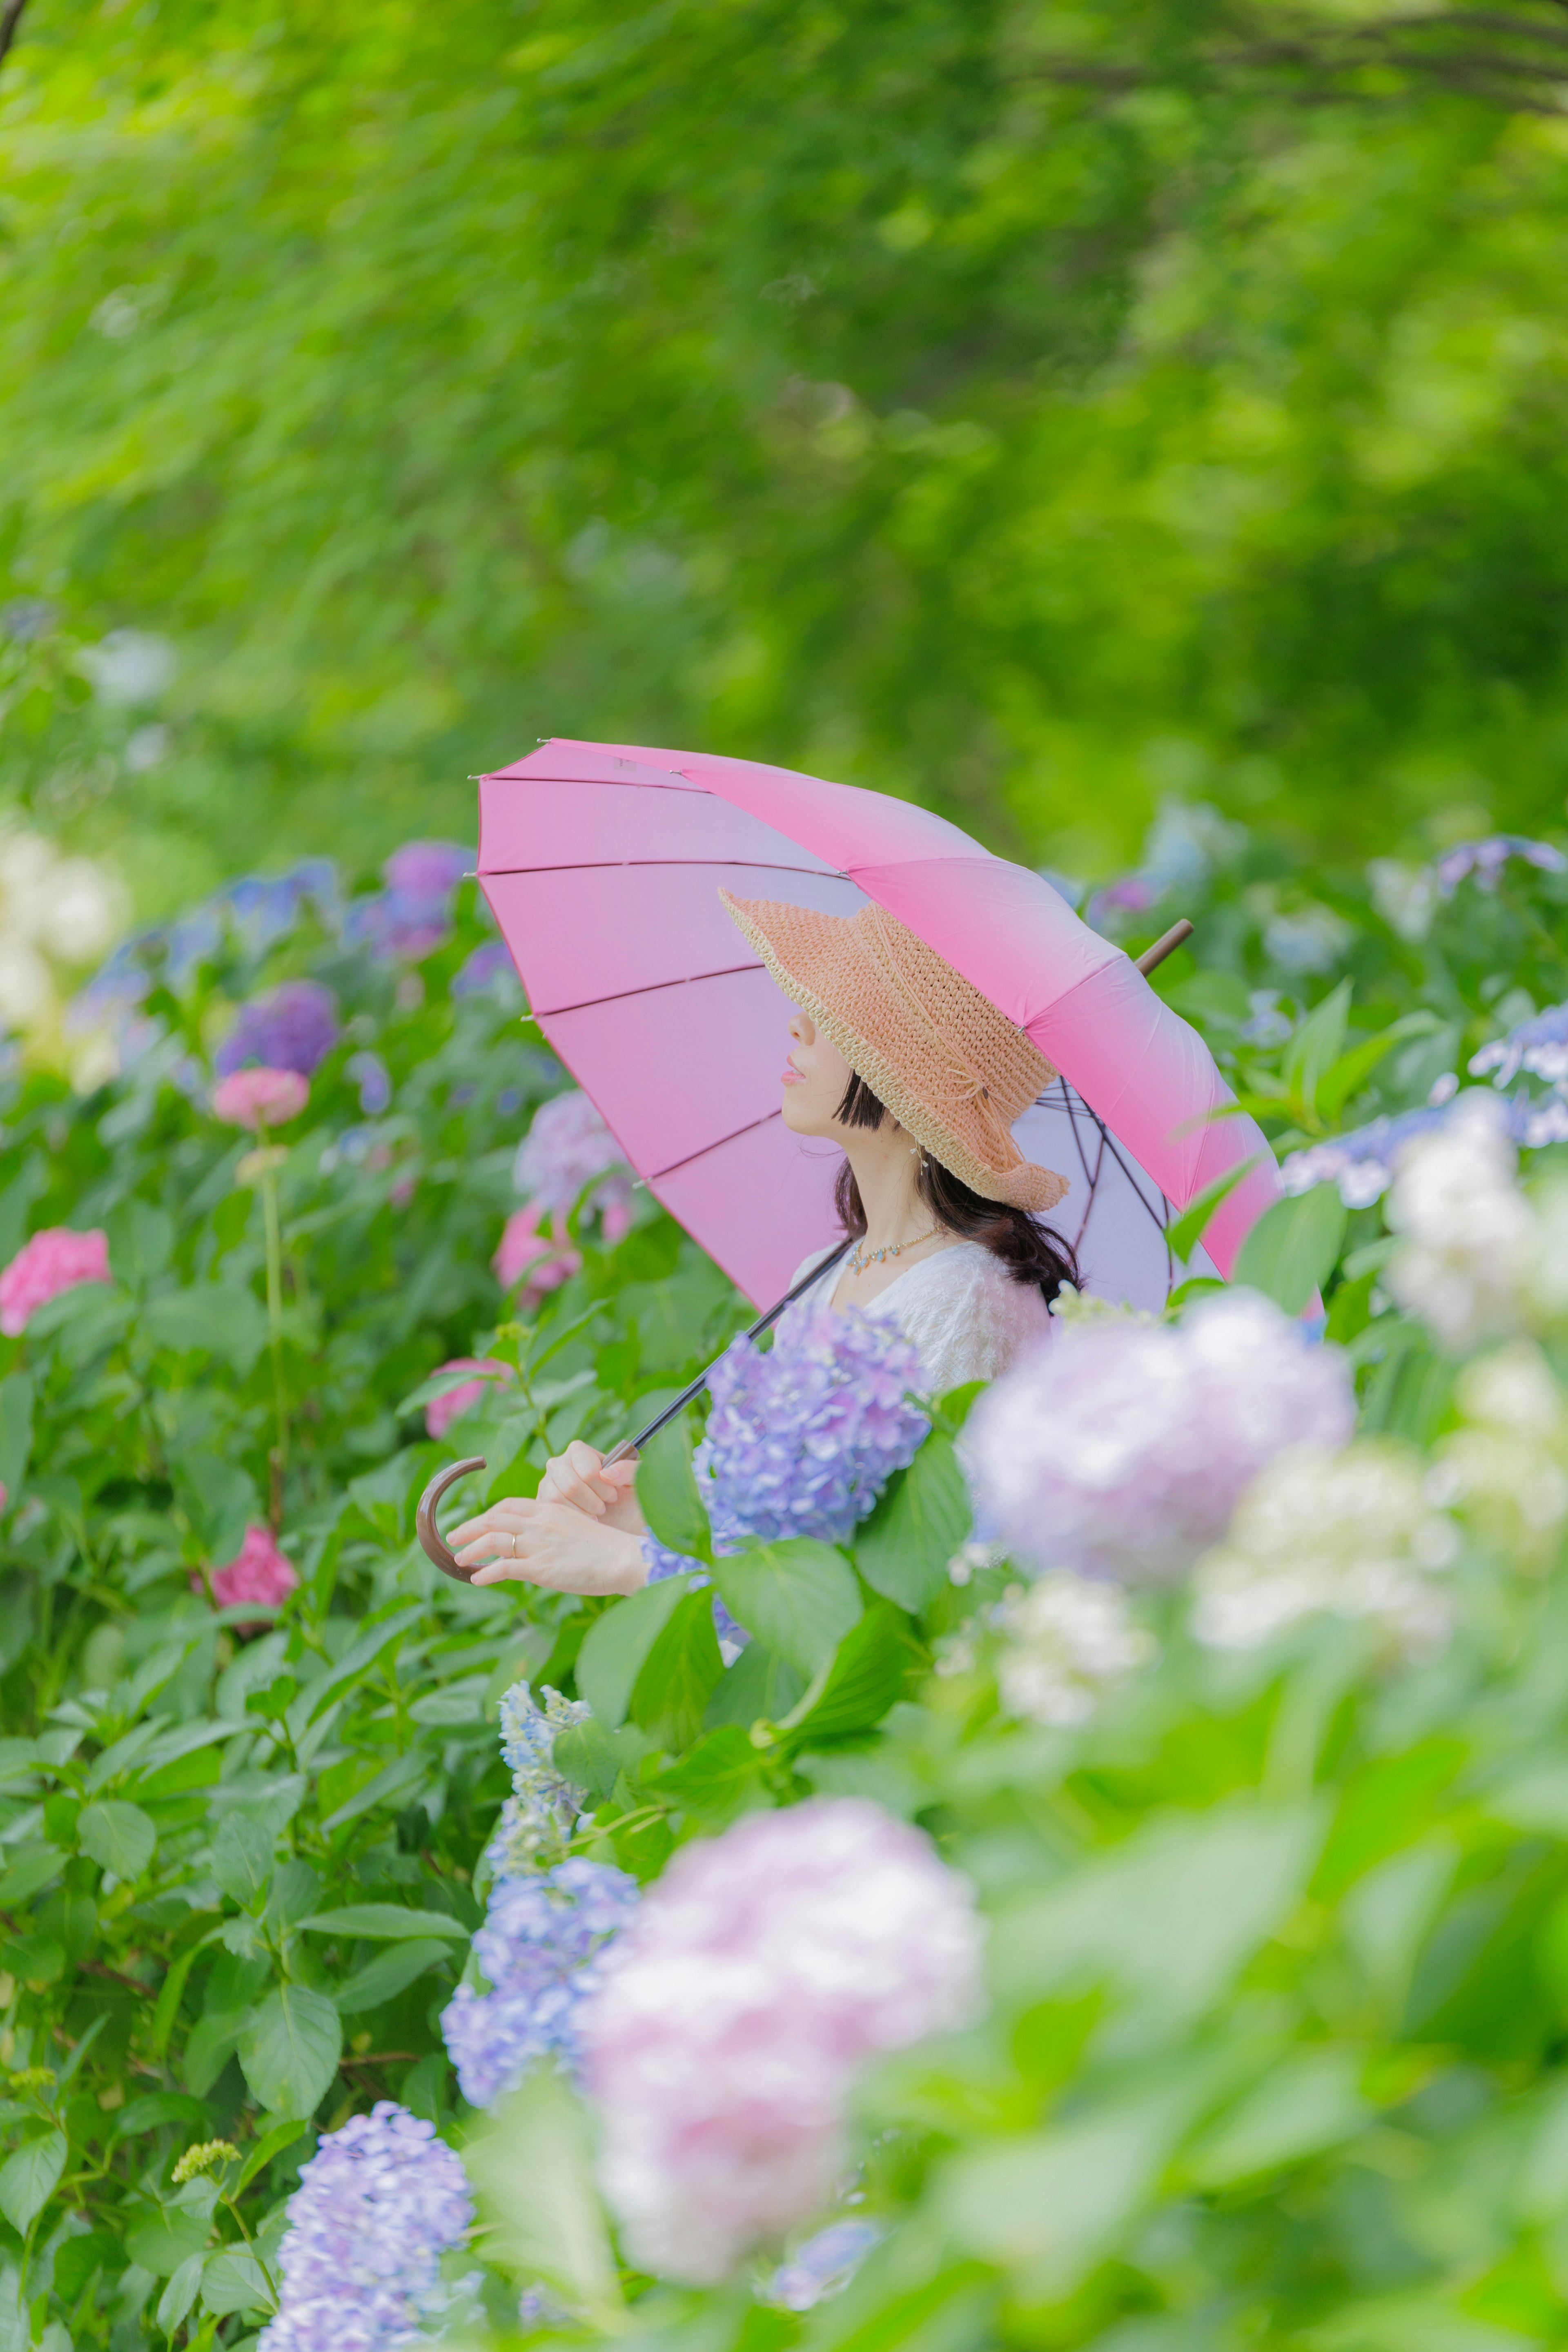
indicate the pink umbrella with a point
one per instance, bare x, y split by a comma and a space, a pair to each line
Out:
603, 863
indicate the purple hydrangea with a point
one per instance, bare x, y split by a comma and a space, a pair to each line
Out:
824, 2265
1538, 1045
394, 924
1120, 1447
377, 2206
369, 1073
1484, 860
490, 962
428, 869
291, 1028
565, 1148
541, 1950
802, 1440
1363, 1163
541, 1811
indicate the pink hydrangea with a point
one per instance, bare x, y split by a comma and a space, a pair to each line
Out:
442, 1411
760, 1970
566, 1147
1120, 1448
54, 1260
260, 1572
256, 1099
524, 1249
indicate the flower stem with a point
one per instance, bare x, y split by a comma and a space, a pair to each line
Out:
274, 1228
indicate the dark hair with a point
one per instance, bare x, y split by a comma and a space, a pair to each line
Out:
1031, 1252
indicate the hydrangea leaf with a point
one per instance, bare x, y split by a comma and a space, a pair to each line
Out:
16, 1429
678, 1674
291, 2049
722, 1773
1292, 1250
592, 1759
533, 2173
117, 1835
923, 1517
864, 1677
667, 1491
1310, 2102
167, 2238
234, 2280
180, 2293
799, 1597
385, 1923
219, 1500
242, 1858
211, 1318
617, 1642
28, 2178
760, 1688
383, 1978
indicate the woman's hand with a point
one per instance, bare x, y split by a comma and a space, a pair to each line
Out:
544, 1543
578, 1479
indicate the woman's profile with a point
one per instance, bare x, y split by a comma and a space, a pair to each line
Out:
917, 1078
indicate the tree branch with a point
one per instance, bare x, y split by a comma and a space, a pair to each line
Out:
10, 17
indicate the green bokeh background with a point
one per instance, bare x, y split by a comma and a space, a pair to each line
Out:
1036, 410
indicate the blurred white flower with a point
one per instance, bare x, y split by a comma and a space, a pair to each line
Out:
129, 666
1310, 938
146, 746
55, 912
27, 984
1405, 896
1352, 1532
1066, 1640
1468, 1238
1506, 1469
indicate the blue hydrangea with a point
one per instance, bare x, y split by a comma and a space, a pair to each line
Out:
802, 1440
293, 1027
540, 1951
377, 2206
824, 2265
539, 1816
489, 966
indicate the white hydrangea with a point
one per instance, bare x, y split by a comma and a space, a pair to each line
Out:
1066, 1642
1467, 1236
1506, 1469
1354, 1532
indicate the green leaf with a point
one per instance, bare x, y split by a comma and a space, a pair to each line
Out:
140, 1242
79, 2260
242, 1859
1292, 1250
219, 1500
678, 1674
213, 1318
723, 1773
902, 1550
440, 1384
667, 1491
617, 1642
865, 1676
1183, 1238
383, 1978
1310, 2102
290, 2051
15, 1430
153, 2108
234, 2280
592, 1759
382, 1923
1315, 1044
28, 2178
33, 1869
117, 1835
758, 1688
180, 2293
1346, 1077
271, 2143
799, 1597
167, 2238
533, 2176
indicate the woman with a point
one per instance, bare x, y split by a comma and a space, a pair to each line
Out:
919, 1078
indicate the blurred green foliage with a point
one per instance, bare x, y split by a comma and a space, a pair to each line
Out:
1030, 409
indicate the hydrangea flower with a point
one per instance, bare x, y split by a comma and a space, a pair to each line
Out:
369, 1073
1484, 860
490, 963
256, 1099
428, 869
801, 1440
1505, 1469
824, 2265
762, 1969
1064, 1642
54, 1260
1352, 1532
523, 1249
1467, 1235
565, 1148
291, 1028
377, 2206
258, 1572
443, 1411
539, 1949
541, 1813
1538, 1045
1361, 1163
1119, 1448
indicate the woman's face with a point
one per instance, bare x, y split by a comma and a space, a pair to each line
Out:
815, 1077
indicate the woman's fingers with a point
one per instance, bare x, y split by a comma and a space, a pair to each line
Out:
576, 1479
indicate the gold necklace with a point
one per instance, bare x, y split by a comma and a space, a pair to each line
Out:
858, 1262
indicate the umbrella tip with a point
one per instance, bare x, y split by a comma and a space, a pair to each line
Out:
1166, 944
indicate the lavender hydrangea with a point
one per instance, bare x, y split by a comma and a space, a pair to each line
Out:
428, 869
1484, 860
1119, 1448
490, 963
538, 1817
377, 2206
1363, 1163
369, 1073
293, 1027
802, 1440
540, 1951
565, 1148
1538, 1045
824, 2265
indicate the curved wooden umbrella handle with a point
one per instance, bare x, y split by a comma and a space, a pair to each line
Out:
425, 1516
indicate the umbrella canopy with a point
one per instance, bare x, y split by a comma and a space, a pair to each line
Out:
603, 863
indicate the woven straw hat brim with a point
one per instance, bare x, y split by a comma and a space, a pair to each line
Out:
826, 964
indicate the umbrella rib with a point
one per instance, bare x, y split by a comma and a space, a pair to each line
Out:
623, 995
1110, 1144
717, 1145
613, 865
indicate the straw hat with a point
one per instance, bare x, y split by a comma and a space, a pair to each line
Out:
954, 1073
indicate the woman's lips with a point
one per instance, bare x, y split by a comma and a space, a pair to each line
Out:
791, 1077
